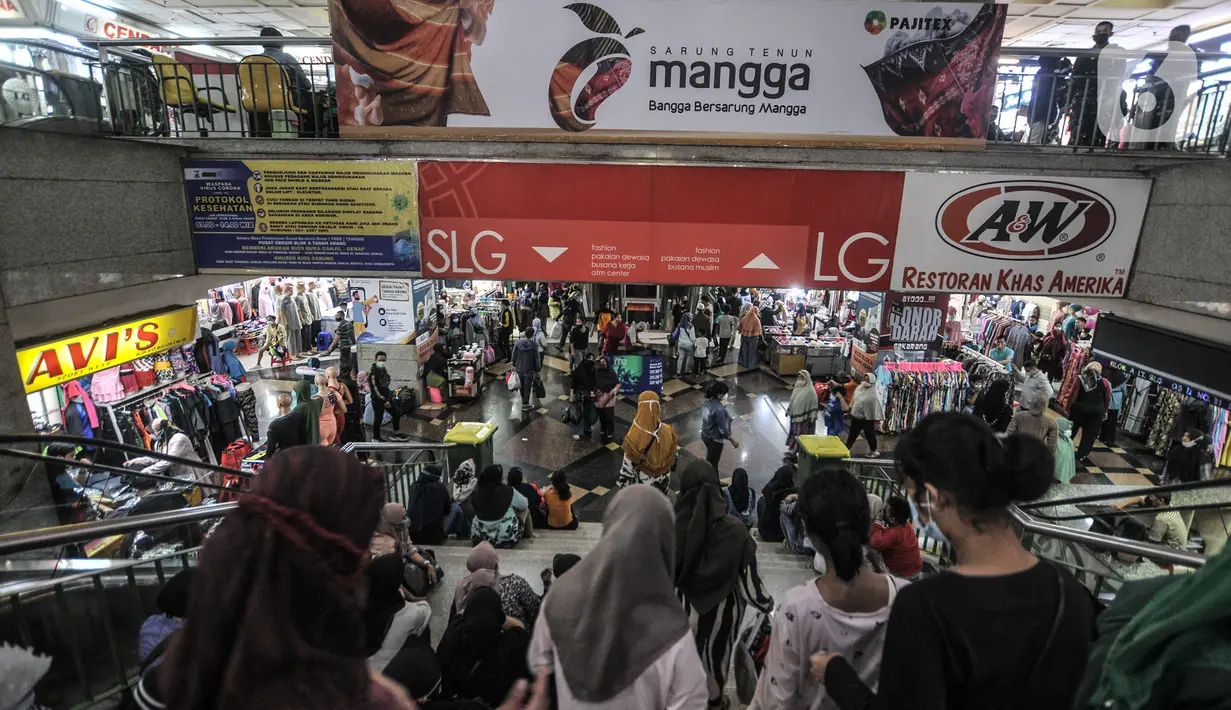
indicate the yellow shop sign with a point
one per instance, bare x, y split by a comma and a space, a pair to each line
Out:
50, 364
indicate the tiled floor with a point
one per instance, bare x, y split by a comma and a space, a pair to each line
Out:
540, 443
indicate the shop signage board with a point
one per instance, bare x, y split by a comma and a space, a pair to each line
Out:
49, 364
659, 224
1171, 359
915, 323
638, 373
975, 233
389, 309
304, 216
799, 68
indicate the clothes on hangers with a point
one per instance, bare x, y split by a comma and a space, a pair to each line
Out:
1021, 341
911, 396
1077, 357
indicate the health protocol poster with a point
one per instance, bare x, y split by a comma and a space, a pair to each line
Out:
304, 216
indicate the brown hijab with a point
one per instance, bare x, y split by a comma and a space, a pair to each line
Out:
711, 547
615, 613
484, 566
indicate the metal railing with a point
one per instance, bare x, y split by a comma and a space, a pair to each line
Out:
88, 622
1045, 98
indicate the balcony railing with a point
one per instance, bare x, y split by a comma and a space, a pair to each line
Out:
1045, 98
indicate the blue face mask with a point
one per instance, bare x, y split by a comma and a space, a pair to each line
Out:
931, 529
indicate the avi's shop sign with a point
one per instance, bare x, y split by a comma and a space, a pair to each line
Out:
740, 66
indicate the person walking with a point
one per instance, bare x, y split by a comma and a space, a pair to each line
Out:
725, 326
506, 331
1000, 624
686, 344
578, 342
749, 339
802, 410
606, 392
582, 382
650, 446
715, 572
845, 610
1031, 419
835, 410
612, 632
344, 340
527, 364
1089, 409
866, 412
715, 423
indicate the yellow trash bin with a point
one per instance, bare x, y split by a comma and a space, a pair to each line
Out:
471, 440
816, 449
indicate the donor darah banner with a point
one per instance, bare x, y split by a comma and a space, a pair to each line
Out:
970, 233
784, 68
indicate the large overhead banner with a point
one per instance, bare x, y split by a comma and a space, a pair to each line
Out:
659, 224
973, 233
745, 67
304, 216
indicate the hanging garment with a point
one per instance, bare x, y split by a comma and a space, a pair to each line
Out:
72, 390
106, 386
245, 398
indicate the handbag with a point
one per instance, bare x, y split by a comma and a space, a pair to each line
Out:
415, 579
489, 355
745, 664
540, 390
513, 381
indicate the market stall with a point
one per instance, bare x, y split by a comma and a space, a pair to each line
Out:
821, 357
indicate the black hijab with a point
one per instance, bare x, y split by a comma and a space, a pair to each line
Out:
491, 498
739, 488
711, 547
605, 378
477, 659
428, 498
782, 484
384, 599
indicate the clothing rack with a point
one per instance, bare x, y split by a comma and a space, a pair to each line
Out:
971, 352
943, 366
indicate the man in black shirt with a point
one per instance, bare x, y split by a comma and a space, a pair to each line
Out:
382, 396
344, 340
287, 429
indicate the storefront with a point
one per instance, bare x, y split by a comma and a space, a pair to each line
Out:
113, 381
1172, 383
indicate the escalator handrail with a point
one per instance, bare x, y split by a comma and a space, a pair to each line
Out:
1099, 541
29, 587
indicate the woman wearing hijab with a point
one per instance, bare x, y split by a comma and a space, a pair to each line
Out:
741, 500
282, 625
749, 339
606, 392
715, 572
866, 412
802, 410
1090, 407
388, 620
393, 539
483, 652
539, 337
517, 598
650, 446
769, 518
432, 510
496, 510
1066, 459
309, 408
617, 644
686, 344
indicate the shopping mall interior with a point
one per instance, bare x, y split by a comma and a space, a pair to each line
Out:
342, 373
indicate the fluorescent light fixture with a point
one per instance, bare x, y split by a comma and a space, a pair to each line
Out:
1007, 60
39, 33
90, 8
1211, 33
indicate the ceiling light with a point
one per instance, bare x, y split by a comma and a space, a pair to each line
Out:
87, 7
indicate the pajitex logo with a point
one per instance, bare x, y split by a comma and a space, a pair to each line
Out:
937, 24
1025, 220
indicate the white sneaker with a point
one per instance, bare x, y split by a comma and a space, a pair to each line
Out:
576, 437
874, 455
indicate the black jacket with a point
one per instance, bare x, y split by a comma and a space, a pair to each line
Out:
285, 432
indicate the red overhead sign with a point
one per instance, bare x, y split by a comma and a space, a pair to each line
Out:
651, 224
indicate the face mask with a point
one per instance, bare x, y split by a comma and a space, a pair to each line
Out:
1101, 39
1188, 444
381, 365
931, 529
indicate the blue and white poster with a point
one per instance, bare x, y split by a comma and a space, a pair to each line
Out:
304, 216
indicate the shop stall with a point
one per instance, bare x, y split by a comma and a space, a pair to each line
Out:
821, 357
1174, 383
465, 373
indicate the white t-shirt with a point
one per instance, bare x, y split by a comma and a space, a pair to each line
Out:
806, 624
410, 621
676, 681
701, 346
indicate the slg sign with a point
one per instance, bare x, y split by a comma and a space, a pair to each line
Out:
54, 363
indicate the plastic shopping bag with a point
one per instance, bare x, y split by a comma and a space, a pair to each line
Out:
513, 381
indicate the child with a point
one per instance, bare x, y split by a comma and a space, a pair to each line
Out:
835, 410
701, 349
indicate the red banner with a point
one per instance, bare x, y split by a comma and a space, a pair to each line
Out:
653, 224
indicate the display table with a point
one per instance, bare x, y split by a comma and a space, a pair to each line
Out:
821, 357
466, 374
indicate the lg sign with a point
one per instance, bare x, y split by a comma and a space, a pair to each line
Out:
851, 264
